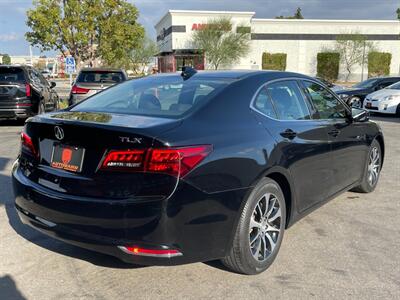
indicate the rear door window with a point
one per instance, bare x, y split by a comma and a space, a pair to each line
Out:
100, 77
263, 103
288, 100
12, 75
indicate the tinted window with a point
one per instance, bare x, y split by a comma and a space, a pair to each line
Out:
154, 96
327, 106
395, 86
100, 77
288, 101
263, 103
12, 75
367, 83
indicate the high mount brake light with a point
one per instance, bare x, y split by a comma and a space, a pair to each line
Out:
166, 253
79, 90
173, 161
27, 144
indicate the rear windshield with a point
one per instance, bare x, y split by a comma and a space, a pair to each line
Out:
12, 75
100, 77
163, 96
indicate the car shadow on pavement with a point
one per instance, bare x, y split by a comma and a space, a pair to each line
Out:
9, 290
44, 241
12, 122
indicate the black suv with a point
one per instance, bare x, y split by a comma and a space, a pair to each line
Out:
24, 92
355, 95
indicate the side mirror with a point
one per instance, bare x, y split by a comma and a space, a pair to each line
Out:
359, 115
52, 84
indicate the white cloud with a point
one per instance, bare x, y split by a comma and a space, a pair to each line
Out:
8, 37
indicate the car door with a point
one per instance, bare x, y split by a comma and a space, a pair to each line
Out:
302, 144
348, 139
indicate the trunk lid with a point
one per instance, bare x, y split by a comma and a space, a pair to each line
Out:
95, 134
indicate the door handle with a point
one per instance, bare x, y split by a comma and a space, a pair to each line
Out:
334, 132
289, 134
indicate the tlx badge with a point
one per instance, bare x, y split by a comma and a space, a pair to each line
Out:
127, 139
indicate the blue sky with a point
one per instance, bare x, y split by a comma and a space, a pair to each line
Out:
13, 13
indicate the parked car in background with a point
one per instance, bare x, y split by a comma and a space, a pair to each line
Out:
385, 101
355, 95
331, 85
172, 169
93, 80
24, 92
46, 74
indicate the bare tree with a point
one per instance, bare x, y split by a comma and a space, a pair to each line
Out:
353, 49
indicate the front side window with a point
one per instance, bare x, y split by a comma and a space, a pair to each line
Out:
288, 101
327, 106
164, 96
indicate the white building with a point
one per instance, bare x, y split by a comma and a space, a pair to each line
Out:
301, 40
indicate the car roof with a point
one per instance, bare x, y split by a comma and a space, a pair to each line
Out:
385, 77
16, 66
236, 74
102, 70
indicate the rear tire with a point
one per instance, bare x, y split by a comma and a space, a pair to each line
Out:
372, 169
259, 231
398, 111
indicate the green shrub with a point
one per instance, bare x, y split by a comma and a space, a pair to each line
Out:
379, 63
274, 61
328, 65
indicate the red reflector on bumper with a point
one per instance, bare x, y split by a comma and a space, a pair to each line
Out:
166, 253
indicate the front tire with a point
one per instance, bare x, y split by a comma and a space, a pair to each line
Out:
260, 230
372, 169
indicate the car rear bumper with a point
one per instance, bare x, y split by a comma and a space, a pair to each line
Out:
15, 112
198, 225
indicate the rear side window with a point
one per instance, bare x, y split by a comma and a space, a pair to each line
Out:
12, 75
288, 101
165, 96
263, 103
100, 77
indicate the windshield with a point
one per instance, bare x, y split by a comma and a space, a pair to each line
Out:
366, 84
395, 86
12, 75
100, 77
163, 96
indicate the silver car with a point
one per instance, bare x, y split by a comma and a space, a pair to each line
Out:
93, 80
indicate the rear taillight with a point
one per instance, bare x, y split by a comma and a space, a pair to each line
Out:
28, 91
27, 145
129, 159
78, 90
173, 161
165, 253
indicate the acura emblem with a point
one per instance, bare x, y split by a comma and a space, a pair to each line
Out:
59, 133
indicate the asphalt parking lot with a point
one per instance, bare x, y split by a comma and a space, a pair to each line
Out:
348, 248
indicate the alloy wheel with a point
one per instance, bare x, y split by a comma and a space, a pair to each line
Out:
356, 103
374, 166
265, 226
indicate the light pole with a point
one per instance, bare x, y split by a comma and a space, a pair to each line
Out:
363, 62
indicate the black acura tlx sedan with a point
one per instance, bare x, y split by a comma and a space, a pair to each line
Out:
190, 167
